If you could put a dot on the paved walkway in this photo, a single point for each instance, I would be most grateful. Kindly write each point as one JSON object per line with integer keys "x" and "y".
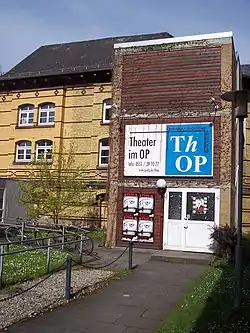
{"x": 134, "y": 304}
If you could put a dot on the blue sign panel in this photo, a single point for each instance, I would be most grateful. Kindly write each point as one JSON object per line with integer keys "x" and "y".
{"x": 189, "y": 150}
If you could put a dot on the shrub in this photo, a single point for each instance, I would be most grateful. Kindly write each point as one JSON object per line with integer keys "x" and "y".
{"x": 225, "y": 238}
{"x": 246, "y": 244}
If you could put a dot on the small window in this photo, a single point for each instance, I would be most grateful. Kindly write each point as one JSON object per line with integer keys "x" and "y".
{"x": 47, "y": 114}
{"x": 26, "y": 115}
{"x": 106, "y": 110}
{"x": 44, "y": 150}
{"x": 104, "y": 153}
{"x": 23, "y": 151}
{"x": 1, "y": 203}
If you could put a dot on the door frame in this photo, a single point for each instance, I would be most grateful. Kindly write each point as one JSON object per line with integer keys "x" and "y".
{"x": 185, "y": 190}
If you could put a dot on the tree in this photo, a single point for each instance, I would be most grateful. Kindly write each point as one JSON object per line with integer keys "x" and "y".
{"x": 55, "y": 189}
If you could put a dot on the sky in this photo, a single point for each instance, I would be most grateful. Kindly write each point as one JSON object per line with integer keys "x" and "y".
{"x": 25, "y": 25}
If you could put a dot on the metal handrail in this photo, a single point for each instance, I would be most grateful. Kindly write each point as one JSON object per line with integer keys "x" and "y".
{"x": 37, "y": 247}
{"x": 22, "y": 242}
{"x": 58, "y": 229}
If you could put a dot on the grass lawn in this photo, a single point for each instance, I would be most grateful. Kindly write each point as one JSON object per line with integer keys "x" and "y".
{"x": 207, "y": 307}
{"x": 27, "y": 265}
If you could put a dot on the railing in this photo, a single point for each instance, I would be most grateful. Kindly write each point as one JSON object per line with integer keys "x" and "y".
{"x": 5, "y": 251}
{"x": 83, "y": 221}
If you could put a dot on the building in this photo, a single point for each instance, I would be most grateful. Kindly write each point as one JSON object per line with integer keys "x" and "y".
{"x": 58, "y": 95}
{"x": 168, "y": 121}
{"x": 245, "y": 69}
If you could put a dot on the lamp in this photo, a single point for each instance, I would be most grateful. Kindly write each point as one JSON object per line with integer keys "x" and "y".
{"x": 239, "y": 98}
{"x": 161, "y": 185}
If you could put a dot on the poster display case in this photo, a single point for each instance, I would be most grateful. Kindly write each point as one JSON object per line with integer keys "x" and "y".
{"x": 138, "y": 217}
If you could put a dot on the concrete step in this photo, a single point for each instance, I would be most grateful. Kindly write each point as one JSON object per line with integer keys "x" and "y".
{"x": 182, "y": 257}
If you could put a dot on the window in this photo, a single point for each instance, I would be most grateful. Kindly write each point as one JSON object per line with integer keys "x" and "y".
{"x": 106, "y": 110}
{"x": 47, "y": 114}
{"x": 44, "y": 150}
{"x": 104, "y": 153}
{"x": 23, "y": 151}
{"x": 26, "y": 115}
{"x": 1, "y": 203}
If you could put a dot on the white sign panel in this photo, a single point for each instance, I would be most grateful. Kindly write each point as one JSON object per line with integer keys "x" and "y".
{"x": 144, "y": 150}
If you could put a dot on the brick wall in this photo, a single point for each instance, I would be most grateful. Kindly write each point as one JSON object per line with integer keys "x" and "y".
{"x": 171, "y": 83}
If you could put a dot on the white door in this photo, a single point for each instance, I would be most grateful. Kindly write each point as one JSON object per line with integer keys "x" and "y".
{"x": 189, "y": 215}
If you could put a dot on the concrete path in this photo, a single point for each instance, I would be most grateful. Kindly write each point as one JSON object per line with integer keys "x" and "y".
{"x": 140, "y": 256}
{"x": 134, "y": 304}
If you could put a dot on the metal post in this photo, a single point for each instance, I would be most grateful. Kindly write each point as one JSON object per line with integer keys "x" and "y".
{"x": 22, "y": 233}
{"x": 68, "y": 278}
{"x": 130, "y": 256}
{"x": 240, "y": 98}
{"x": 1, "y": 265}
{"x": 63, "y": 237}
{"x": 48, "y": 257}
{"x": 239, "y": 248}
{"x": 81, "y": 247}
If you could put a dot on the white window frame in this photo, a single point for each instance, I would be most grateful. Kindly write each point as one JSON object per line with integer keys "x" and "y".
{"x": 29, "y": 111}
{"x": 2, "y": 209}
{"x": 106, "y": 106}
{"x": 46, "y": 108}
{"x": 25, "y": 149}
{"x": 101, "y": 149}
{"x": 47, "y": 150}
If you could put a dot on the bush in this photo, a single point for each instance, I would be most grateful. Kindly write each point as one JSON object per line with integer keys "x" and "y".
{"x": 246, "y": 244}
{"x": 225, "y": 239}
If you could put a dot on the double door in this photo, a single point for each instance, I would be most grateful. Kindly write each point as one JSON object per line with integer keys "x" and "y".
{"x": 189, "y": 217}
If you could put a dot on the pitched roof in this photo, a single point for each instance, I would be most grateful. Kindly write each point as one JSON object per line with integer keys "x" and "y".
{"x": 245, "y": 69}
{"x": 74, "y": 57}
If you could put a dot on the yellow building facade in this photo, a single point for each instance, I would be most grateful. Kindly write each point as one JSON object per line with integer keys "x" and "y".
{"x": 78, "y": 121}
{"x": 40, "y": 120}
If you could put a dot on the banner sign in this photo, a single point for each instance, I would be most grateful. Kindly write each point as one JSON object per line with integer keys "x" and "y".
{"x": 173, "y": 150}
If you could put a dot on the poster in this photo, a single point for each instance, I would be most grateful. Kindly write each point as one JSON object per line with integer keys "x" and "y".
{"x": 146, "y": 203}
{"x": 130, "y": 202}
{"x": 145, "y": 227}
{"x": 129, "y": 224}
{"x": 163, "y": 150}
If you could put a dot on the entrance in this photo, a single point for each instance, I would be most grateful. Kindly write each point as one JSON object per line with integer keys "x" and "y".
{"x": 189, "y": 215}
